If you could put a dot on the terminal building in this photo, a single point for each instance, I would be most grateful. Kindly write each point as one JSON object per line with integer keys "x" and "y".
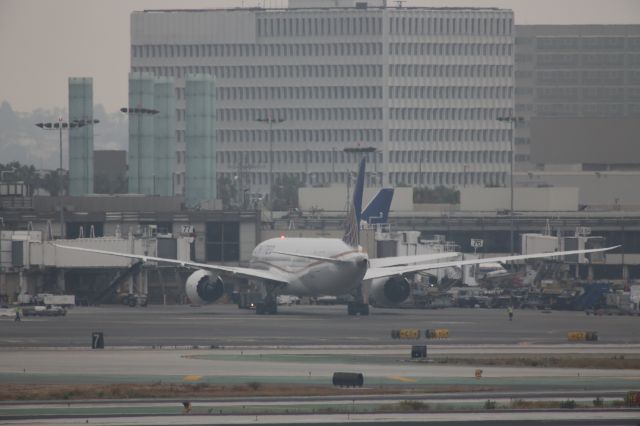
{"x": 156, "y": 225}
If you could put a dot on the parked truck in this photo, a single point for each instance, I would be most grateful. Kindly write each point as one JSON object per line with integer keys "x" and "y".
{"x": 60, "y": 299}
{"x": 44, "y": 311}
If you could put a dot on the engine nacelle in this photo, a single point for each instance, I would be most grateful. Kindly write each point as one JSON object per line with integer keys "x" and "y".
{"x": 389, "y": 291}
{"x": 204, "y": 287}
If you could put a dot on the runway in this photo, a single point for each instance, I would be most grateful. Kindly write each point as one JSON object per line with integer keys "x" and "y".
{"x": 226, "y": 325}
{"x": 305, "y": 345}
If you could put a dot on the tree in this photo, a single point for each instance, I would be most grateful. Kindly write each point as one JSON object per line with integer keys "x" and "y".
{"x": 16, "y": 172}
{"x": 284, "y": 193}
{"x": 439, "y": 194}
{"x": 50, "y": 182}
{"x": 227, "y": 191}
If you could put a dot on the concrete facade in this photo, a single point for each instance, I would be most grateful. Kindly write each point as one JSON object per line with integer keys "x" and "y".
{"x": 423, "y": 86}
{"x": 334, "y": 198}
{"x": 579, "y": 72}
{"x": 110, "y": 170}
{"x": 524, "y": 199}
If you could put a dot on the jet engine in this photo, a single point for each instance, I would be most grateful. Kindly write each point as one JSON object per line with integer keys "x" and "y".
{"x": 389, "y": 291}
{"x": 204, "y": 287}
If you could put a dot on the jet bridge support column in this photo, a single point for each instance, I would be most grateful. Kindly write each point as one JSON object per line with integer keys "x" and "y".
{"x": 60, "y": 281}
{"x": 22, "y": 285}
{"x": 144, "y": 288}
{"x": 130, "y": 283}
{"x": 4, "y": 291}
{"x": 361, "y": 304}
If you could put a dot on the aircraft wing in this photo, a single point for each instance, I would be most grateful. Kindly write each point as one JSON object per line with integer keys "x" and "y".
{"x": 392, "y": 271}
{"x": 231, "y": 270}
{"x": 386, "y": 262}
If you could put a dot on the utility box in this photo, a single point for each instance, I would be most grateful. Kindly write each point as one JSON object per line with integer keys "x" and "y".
{"x": 348, "y": 379}
{"x": 419, "y": 351}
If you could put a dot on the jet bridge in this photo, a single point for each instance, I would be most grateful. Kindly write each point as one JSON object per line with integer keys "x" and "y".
{"x": 26, "y": 260}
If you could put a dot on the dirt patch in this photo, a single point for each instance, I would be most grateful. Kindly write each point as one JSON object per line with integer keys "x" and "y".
{"x": 26, "y": 392}
{"x": 570, "y": 361}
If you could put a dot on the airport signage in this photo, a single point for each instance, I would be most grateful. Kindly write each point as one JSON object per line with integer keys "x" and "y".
{"x": 477, "y": 242}
{"x": 186, "y": 229}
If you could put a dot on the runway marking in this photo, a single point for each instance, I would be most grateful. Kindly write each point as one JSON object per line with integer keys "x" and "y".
{"x": 401, "y": 379}
{"x": 191, "y": 378}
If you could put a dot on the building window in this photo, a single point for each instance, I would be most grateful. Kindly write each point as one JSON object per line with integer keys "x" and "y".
{"x": 222, "y": 241}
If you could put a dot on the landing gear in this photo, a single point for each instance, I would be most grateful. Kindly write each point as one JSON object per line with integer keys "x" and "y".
{"x": 357, "y": 308}
{"x": 360, "y": 305}
{"x": 266, "y": 308}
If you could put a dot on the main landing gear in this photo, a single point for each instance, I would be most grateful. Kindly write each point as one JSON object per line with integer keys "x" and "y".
{"x": 269, "y": 305}
{"x": 358, "y": 308}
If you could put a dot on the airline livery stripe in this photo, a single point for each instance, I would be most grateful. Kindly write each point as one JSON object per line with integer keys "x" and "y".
{"x": 310, "y": 265}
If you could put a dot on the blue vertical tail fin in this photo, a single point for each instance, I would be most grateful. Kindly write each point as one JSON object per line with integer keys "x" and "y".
{"x": 354, "y": 214}
{"x": 377, "y": 211}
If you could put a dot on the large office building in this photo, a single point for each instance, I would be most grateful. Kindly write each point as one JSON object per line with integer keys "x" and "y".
{"x": 568, "y": 76}
{"x": 423, "y": 86}
{"x": 578, "y": 90}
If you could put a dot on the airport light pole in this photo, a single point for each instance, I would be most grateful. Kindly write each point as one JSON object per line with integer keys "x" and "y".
{"x": 64, "y": 125}
{"x": 270, "y": 119}
{"x": 512, "y": 120}
{"x": 139, "y": 112}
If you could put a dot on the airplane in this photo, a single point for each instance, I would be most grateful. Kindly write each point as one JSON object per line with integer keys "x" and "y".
{"x": 377, "y": 211}
{"x": 314, "y": 267}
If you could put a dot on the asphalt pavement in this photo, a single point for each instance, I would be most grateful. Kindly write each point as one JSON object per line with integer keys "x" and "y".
{"x": 226, "y": 325}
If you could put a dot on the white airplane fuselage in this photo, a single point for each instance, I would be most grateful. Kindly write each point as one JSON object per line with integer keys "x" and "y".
{"x": 312, "y": 277}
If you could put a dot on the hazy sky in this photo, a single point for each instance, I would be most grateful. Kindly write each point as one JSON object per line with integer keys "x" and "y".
{"x": 43, "y": 42}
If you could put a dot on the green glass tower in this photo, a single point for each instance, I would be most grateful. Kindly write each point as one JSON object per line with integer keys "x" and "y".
{"x": 81, "y": 138}
{"x": 141, "y": 133}
{"x": 200, "y": 138}
{"x": 164, "y": 126}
